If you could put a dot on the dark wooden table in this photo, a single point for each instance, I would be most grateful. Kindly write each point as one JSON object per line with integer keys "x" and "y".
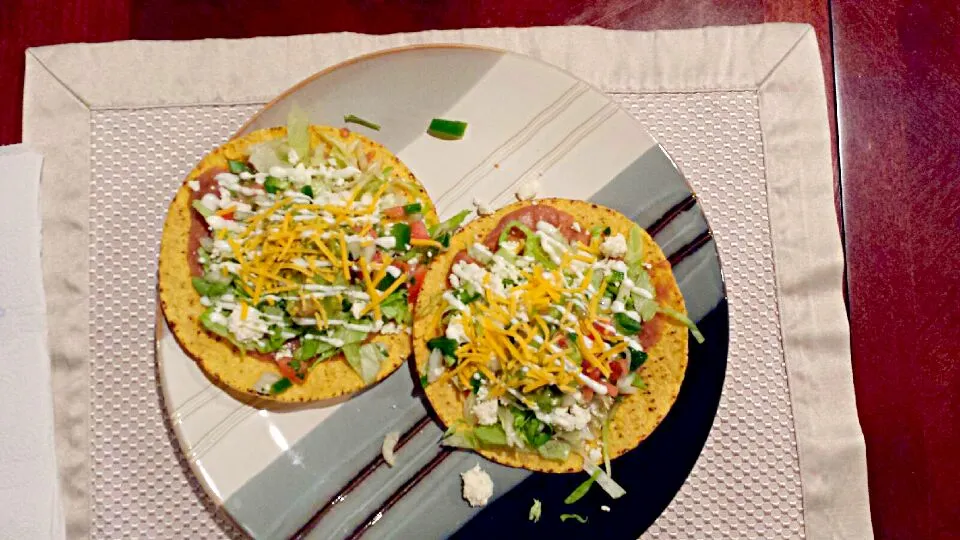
{"x": 895, "y": 104}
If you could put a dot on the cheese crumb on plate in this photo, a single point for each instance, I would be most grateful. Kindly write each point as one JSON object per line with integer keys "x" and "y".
{"x": 477, "y": 486}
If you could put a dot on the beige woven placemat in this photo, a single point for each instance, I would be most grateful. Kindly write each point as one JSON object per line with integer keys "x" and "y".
{"x": 734, "y": 106}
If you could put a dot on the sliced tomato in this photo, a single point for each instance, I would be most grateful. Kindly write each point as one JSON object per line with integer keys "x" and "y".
{"x": 616, "y": 370}
{"x": 377, "y": 256}
{"x": 287, "y": 371}
{"x": 586, "y": 392}
{"x": 228, "y": 214}
{"x": 402, "y": 266}
{"x": 591, "y": 371}
{"x": 395, "y": 212}
{"x": 416, "y": 283}
{"x": 418, "y": 231}
{"x": 612, "y": 390}
{"x": 562, "y": 342}
{"x": 344, "y": 132}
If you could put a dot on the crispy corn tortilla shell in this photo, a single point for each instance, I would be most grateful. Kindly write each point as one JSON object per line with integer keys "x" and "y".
{"x": 638, "y": 414}
{"x": 218, "y": 358}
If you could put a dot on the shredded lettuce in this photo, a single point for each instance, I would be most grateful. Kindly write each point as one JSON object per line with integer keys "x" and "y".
{"x": 364, "y": 359}
{"x": 490, "y": 435}
{"x": 555, "y": 450}
{"x": 265, "y": 155}
{"x": 582, "y": 489}
{"x": 348, "y": 336}
{"x": 612, "y": 488}
{"x": 605, "y": 438}
{"x": 210, "y": 289}
{"x": 535, "y": 511}
{"x": 645, "y": 307}
{"x": 684, "y": 320}
{"x": 307, "y": 350}
{"x": 535, "y": 432}
{"x": 396, "y": 308}
{"x": 273, "y": 342}
{"x": 578, "y": 517}
{"x": 448, "y": 227}
{"x": 634, "y": 256}
{"x": 531, "y": 246}
{"x": 202, "y": 208}
{"x": 459, "y": 438}
{"x": 298, "y": 134}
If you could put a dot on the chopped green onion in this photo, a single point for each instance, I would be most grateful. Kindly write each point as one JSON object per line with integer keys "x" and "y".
{"x": 401, "y": 232}
{"x": 273, "y": 184}
{"x": 578, "y": 517}
{"x": 353, "y": 119}
{"x": 582, "y": 489}
{"x": 637, "y": 358}
{"x": 280, "y": 386}
{"x": 476, "y": 381}
{"x": 237, "y": 167}
{"x": 200, "y": 207}
{"x": 448, "y": 130}
{"x": 424, "y": 381}
{"x": 625, "y": 324}
{"x": 307, "y": 190}
{"x": 638, "y": 382}
{"x": 414, "y": 208}
{"x": 385, "y": 283}
{"x": 446, "y": 345}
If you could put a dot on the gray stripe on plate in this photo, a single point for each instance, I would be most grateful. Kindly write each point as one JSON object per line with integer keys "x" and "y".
{"x": 646, "y": 189}
{"x": 283, "y": 496}
{"x": 290, "y": 490}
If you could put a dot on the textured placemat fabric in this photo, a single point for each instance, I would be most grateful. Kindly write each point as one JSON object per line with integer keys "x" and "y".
{"x": 741, "y": 109}
{"x": 746, "y": 483}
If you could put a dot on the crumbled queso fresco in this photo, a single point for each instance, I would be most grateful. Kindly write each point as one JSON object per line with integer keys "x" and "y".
{"x": 477, "y": 486}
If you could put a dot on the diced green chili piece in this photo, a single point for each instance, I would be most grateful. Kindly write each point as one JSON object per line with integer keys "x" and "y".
{"x": 280, "y": 386}
{"x": 237, "y": 167}
{"x": 448, "y": 130}
{"x": 401, "y": 232}
{"x": 446, "y": 345}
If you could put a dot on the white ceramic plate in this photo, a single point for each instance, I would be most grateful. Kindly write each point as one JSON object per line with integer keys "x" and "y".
{"x": 315, "y": 470}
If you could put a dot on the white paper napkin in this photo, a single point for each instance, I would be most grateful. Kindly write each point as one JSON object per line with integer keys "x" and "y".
{"x": 29, "y": 490}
